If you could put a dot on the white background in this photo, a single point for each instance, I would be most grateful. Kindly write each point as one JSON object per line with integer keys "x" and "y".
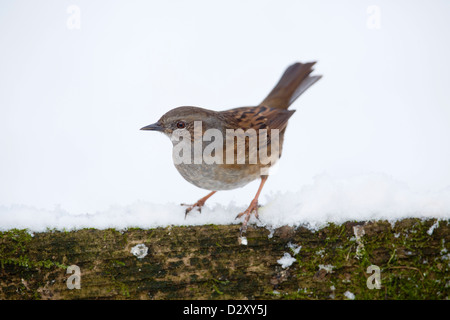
{"x": 72, "y": 100}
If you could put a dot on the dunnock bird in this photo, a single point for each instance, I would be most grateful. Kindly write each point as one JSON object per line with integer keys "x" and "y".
{"x": 216, "y": 172}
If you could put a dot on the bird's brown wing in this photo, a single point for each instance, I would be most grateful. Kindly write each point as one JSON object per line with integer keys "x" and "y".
{"x": 295, "y": 80}
{"x": 260, "y": 117}
{"x": 256, "y": 118}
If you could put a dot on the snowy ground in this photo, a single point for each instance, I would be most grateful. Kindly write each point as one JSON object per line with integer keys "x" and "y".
{"x": 365, "y": 197}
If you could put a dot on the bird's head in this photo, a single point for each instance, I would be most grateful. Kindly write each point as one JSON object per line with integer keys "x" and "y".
{"x": 182, "y": 119}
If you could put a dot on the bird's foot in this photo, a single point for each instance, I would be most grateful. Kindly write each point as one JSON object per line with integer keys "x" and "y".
{"x": 199, "y": 204}
{"x": 252, "y": 208}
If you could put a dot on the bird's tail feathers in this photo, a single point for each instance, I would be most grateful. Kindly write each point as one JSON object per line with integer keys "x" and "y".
{"x": 295, "y": 80}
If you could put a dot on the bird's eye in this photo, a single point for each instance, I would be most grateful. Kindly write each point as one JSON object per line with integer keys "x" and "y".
{"x": 181, "y": 124}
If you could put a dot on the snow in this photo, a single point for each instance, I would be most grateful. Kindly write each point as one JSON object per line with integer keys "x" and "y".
{"x": 349, "y": 295}
{"x": 286, "y": 261}
{"x": 139, "y": 250}
{"x": 434, "y": 226}
{"x": 243, "y": 241}
{"x": 327, "y": 199}
{"x": 327, "y": 267}
{"x": 360, "y": 198}
{"x": 294, "y": 247}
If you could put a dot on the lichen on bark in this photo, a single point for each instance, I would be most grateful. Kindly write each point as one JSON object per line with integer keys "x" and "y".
{"x": 207, "y": 262}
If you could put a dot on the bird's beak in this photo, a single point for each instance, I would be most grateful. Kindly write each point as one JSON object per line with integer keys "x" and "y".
{"x": 154, "y": 127}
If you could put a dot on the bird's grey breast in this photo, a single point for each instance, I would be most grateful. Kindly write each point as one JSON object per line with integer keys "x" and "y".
{"x": 216, "y": 177}
{"x": 211, "y": 175}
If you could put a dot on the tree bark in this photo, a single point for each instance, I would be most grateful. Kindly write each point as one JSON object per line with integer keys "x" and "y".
{"x": 208, "y": 262}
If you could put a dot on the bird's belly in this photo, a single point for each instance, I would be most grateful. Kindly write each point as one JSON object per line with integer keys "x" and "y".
{"x": 216, "y": 177}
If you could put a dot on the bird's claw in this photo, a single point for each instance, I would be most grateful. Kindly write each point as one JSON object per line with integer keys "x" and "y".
{"x": 199, "y": 204}
{"x": 252, "y": 208}
{"x": 190, "y": 207}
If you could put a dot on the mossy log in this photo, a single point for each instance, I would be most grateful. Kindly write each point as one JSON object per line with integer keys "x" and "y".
{"x": 208, "y": 262}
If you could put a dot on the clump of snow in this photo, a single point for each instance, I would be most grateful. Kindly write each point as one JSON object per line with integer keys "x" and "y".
{"x": 360, "y": 198}
{"x": 140, "y": 250}
{"x": 294, "y": 247}
{"x": 434, "y": 226}
{"x": 327, "y": 267}
{"x": 349, "y": 295}
{"x": 332, "y": 294}
{"x": 243, "y": 240}
{"x": 286, "y": 261}
{"x": 320, "y": 253}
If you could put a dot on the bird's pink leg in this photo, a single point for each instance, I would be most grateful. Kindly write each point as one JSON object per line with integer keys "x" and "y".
{"x": 253, "y": 207}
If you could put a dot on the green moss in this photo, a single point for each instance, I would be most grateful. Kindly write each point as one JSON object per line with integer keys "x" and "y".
{"x": 206, "y": 262}
{"x": 14, "y": 251}
{"x": 218, "y": 286}
{"x": 409, "y": 268}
